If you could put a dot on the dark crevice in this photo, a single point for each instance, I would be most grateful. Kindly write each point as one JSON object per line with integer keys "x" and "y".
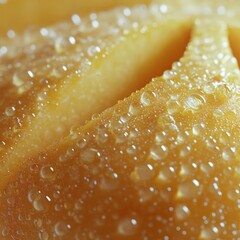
{"x": 234, "y": 41}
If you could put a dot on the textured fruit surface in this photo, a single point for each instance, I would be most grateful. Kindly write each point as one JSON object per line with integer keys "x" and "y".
{"x": 64, "y": 74}
{"x": 161, "y": 164}
{"x": 20, "y": 14}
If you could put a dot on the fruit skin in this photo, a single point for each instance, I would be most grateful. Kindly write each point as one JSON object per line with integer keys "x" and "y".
{"x": 124, "y": 64}
{"x": 20, "y": 14}
{"x": 165, "y": 158}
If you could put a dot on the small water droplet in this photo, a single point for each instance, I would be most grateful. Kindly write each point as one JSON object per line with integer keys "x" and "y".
{"x": 209, "y": 233}
{"x": 89, "y": 155}
{"x": 166, "y": 175}
{"x": 61, "y": 228}
{"x": 147, "y": 98}
{"x": 173, "y": 107}
{"x": 47, "y": 172}
{"x": 41, "y": 203}
{"x": 17, "y": 80}
{"x": 127, "y": 227}
{"x": 10, "y": 111}
{"x": 182, "y": 212}
{"x": 194, "y": 102}
{"x": 167, "y": 75}
{"x": 43, "y": 235}
{"x": 228, "y": 154}
{"x": 61, "y": 45}
{"x": 188, "y": 190}
{"x": 158, "y": 152}
{"x": 142, "y": 172}
{"x": 198, "y": 129}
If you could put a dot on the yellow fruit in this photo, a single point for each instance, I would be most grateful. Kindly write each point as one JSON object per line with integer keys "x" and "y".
{"x": 18, "y": 15}
{"x": 161, "y": 164}
{"x": 73, "y": 75}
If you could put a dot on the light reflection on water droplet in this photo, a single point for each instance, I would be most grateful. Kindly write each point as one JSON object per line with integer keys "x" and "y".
{"x": 61, "y": 228}
{"x": 147, "y": 98}
{"x": 158, "y": 152}
{"x": 127, "y": 227}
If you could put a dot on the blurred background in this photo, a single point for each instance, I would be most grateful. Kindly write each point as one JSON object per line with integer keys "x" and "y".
{"x": 17, "y": 15}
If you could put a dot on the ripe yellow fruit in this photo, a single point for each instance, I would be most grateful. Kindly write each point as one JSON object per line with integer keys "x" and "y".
{"x": 78, "y": 74}
{"x": 161, "y": 164}
{"x": 18, "y": 15}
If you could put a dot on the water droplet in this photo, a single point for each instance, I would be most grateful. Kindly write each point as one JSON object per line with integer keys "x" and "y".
{"x": 108, "y": 184}
{"x": 47, "y": 172}
{"x": 17, "y": 80}
{"x": 89, "y": 155}
{"x": 194, "y": 102}
{"x": 142, "y": 172}
{"x": 167, "y": 75}
{"x": 43, "y": 235}
{"x": 61, "y": 228}
{"x": 127, "y": 227}
{"x": 209, "y": 233}
{"x": 198, "y": 129}
{"x": 25, "y": 87}
{"x": 61, "y": 45}
{"x": 41, "y": 203}
{"x": 234, "y": 195}
{"x": 173, "y": 107}
{"x": 76, "y": 19}
{"x": 209, "y": 88}
{"x": 188, "y": 190}
{"x": 147, "y": 98}
{"x": 182, "y": 212}
{"x": 10, "y": 111}
{"x": 93, "y": 50}
{"x": 225, "y": 138}
{"x": 185, "y": 151}
{"x": 133, "y": 109}
{"x": 228, "y": 154}
{"x": 160, "y": 137}
{"x": 158, "y": 152}
{"x": 166, "y": 175}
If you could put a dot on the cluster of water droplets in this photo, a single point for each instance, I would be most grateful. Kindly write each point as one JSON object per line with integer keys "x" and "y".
{"x": 159, "y": 164}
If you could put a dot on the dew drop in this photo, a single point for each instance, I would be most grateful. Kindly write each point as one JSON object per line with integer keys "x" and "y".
{"x": 173, "y": 107}
{"x": 10, "y": 111}
{"x": 17, "y": 80}
{"x": 160, "y": 137}
{"x": 198, "y": 129}
{"x": 209, "y": 233}
{"x": 194, "y": 102}
{"x": 61, "y": 228}
{"x": 228, "y": 154}
{"x": 43, "y": 235}
{"x": 108, "y": 184}
{"x": 88, "y": 155}
{"x": 142, "y": 172}
{"x": 147, "y": 98}
{"x": 182, "y": 212}
{"x": 166, "y": 175}
{"x": 158, "y": 152}
{"x": 188, "y": 190}
{"x": 127, "y": 227}
{"x": 41, "y": 203}
{"x": 167, "y": 75}
{"x": 47, "y": 172}
{"x": 61, "y": 45}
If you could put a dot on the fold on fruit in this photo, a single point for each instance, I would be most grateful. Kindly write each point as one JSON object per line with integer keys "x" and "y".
{"x": 161, "y": 164}
{"x": 59, "y": 76}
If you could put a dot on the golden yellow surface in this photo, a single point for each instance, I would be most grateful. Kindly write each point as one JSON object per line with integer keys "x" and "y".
{"x": 162, "y": 163}
{"x": 20, "y": 14}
